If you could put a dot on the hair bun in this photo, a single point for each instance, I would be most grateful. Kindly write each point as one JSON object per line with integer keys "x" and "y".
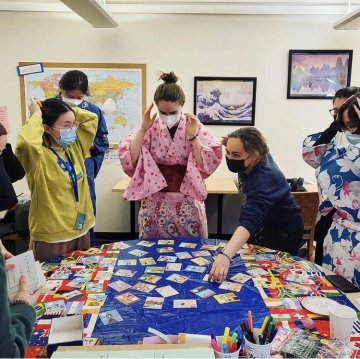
{"x": 169, "y": 77}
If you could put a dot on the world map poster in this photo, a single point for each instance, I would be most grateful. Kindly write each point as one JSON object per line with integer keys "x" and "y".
{"x": 123, "y": 83}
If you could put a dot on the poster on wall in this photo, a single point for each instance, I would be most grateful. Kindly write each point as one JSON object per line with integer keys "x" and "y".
{"x": 318, "y": 74}
{"x": 121, "y": 84}
{"x": 225, "y": 100}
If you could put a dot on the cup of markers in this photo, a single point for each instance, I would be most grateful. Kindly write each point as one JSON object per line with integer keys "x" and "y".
{"x": 226, "y": 346}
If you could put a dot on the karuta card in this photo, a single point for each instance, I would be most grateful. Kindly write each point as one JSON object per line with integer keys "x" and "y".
{"x": 187, "y": 245}
{"x": 138, "y": 252}
{"x": 110, "y": 317}
{"x": 265, "y": 257}
{"x": 177, "y": 278}
{"x": 255, "y": 272}
{"x": 200, "y": 261}
{"x": 56, "y": 307}
{"x": 119, "y": 285}
{"x": 210, "y": 247}
{"x": 51, "y": 286}
{"x": 148, "y": 261}
{"x": 121, "y": 245}
{"x": 95, "y": 300}
{"x": 103, "y": 275}
{"x": 183, "y": 255}
{"x": 127, "y": 298}
{"x": 201, "y": 254}
{"x": 202, "y": 292}
{"x": 226, "y": 298}
{"x": 146, "y": 243}
{"x": 173, "y": 267}
{"x": 143, "y": 287}
{"x": 94, "y": 287}
{"x": 185, "y": 303}
{"x": 154, "y": 303}
{"x": 155, "y": 269}
{"x": 168, "y": 242}
{"x": 72, "y": 295}
{"x": 206, "y": 278}
{"x": 235, "y": 287}
{"x": 164, "y": 258}
{"x": 127, "y": 262}
{"x": 108, "y": 262}
{"x": 151, "y": 278}
{"x": 240, "y": 278}
{"x": 191, "y": 268}
{"x": 125, "y": 273}
{"x": 165, "y": 249}
{"x": 167, "y": 291}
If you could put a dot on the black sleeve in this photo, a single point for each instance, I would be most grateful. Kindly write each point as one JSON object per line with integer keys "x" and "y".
{"x": 12, "y": 165}
{"x": 328, "y": 134}
{"x": 8, "y": 197}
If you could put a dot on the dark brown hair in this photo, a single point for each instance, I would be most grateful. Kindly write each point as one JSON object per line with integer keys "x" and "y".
{"x": 353, "y": 107}
{"x": 169, "y": 90}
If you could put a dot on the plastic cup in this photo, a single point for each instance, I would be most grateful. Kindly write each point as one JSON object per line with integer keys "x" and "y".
{"x": 225, "y": 355}
{"x": 342, "y": 319}
{"x": 257, "y": 350}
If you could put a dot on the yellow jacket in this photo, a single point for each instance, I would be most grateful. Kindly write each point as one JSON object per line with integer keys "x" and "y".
{"x": 53, "y": 209}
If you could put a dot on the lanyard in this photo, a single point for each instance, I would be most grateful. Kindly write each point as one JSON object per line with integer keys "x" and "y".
{"x": 70, "y": 169}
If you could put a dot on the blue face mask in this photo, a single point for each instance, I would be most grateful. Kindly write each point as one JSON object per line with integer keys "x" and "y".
{"x": 67, "y": 137}
{"x": 353, "y": 138}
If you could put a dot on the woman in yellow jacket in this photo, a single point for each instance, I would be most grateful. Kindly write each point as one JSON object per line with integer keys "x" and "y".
{"x": 52, "y": 147}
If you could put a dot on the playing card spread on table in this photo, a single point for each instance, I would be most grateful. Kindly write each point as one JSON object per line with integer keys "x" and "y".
{"x": 154, "y": 303}
{"x": 167, "y": 291}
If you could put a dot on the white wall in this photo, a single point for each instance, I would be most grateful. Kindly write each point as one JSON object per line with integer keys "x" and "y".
{"x": 190, "y": 45}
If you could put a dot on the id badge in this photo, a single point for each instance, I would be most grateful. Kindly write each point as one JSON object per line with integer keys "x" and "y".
{"x": 80, "y": 220}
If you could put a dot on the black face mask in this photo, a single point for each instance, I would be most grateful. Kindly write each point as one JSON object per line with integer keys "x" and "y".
{"x": 236, "y": 166}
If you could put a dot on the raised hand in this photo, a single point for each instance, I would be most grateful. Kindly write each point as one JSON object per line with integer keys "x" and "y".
{"x": 148, "y": 120}
{"x": 191, "y": 125}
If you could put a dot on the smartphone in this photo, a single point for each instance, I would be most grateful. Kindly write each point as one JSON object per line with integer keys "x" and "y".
{"x": 342, "y": 283}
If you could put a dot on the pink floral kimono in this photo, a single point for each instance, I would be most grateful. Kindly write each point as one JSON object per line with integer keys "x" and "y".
{"x": 162, "y": 161}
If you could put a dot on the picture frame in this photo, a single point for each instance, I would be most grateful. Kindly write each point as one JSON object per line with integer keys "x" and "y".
{"x": 318, "y": 74}
{"x": 225, "y": 100}
{"x": 125, "y": 83}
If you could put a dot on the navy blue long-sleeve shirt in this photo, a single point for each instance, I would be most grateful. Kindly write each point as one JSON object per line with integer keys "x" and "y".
{"x": 269, "y": 202}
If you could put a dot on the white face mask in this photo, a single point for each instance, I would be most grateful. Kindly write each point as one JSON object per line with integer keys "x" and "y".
{"x": 72, "y": 101}
{"x": 170, "y": 120}
{"x": 353, "y": 138}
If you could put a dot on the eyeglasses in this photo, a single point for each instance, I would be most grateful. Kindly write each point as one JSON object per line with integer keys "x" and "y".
{"x": 74, "y": 125}
{"x": 333, "y": 112}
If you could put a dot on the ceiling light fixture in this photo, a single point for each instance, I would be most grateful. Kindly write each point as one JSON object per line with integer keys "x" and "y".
{"x": 351, "y": 21}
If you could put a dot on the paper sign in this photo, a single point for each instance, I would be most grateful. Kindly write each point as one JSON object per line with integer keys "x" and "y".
{"x": 29, "y": 69}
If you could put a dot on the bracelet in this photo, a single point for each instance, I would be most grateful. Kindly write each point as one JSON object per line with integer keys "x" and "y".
{"x": 19, "y": 301}
{"x": 192, "y": 138}
{"x": 223, "y": 253}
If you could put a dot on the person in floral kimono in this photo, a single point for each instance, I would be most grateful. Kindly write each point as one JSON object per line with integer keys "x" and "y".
{"x": 168, "y": 158}
{"x": 338, "y": 175}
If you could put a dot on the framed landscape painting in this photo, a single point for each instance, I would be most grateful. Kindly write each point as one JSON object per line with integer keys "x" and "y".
{"x": 225, "y": 100}
{"x": 314, "y": 74}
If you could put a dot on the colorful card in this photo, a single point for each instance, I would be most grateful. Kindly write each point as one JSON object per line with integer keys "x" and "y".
{"x": 187, "y": 245}
{"x": 127, "y": 262}
{"x": 155, "y": 270}
{"x": 73, "y": 295}
{"x": 167, "y": 258}
{"x": 125, "y": 273}
{"x": 165, "y": 249}
{"x": 151, "y": 278}
{"x": 127, "y": 298}
{"x": 202, "y": 292}
{"x": 191, "y": 268}
{"x": 235, "y": 287}
{"x": 148, "y": 261}
{"x": 265, "y": 257}
{"x": 103, "y": 275}
{"x": 177, "y": 278}
{"x": 255, "y": 272}
{"x": 201, "y": 254}
{"x": 146, "y": 243}
{"x": 183, "y": 255}
{"x": 108, "y": 261}
{"x": 56, "y": 307}
{"x": 119, "y": 285}
{"x": 173, "y": 267}
{"x": 200, "y": 261}
{"x": 185, "y": 303}
{"x": 210, "y": 247}
{"x": 94, "y": 287}
{"x": 68, "y": 261}
{"x": 168, "y": 242}
{"x": 110, "y": 317}
{"x": 51, "y": 286}
{"x": 77, "y": 282}
{"x": 154, "y": 303}
{"x": 240, "y": 278}
{"x": 300, "y": 279}
{"x": 143, "y": 287}
{"x": 226, "y": 298}
{"x": 138, "y": 252}
{"x": 167, "y": 291}
{"x": 95, "y": 300}
{"x": 121, "y": 245}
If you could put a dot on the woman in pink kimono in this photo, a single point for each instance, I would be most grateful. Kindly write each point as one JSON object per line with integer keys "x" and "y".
{"x": 168, "y": 159}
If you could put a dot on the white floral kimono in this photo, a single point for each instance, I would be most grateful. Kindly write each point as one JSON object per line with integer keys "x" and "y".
{"x": 338, "y": 174}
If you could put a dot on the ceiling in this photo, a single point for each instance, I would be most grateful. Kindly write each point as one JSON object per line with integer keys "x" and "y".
{"x": 264, "y": 7}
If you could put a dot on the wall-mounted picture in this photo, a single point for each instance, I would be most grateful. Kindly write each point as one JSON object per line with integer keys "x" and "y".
{"x": 225, "y": 100}
{"x": 317, "y": 74}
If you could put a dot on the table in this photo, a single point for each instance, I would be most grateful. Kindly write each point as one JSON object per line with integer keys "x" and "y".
{"x": 94, "y": 272}
{"x": 217, "y": 186}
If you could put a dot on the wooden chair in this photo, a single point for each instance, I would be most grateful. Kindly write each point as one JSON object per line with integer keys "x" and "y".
{"x": 9, "y": 241}
{"x": 308, "y": 203}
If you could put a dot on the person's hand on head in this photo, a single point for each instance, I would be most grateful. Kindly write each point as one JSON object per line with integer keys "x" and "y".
{"x": 191, "y": 125}
{"x": 23, "y": 293}
{"x": 35, "y": 106}
{"x": 219, "y": 269}
{"x": 148, "y": 120}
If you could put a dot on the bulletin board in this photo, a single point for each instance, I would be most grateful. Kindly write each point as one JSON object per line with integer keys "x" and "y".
{"x": 123, "y": 83}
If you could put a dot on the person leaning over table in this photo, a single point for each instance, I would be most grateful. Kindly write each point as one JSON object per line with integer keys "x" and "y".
{"x": 338, "y": 176}
{"x": 269, "y": 216}
{"x": 168, "y": 158}
{"x": 52, "y": 147}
